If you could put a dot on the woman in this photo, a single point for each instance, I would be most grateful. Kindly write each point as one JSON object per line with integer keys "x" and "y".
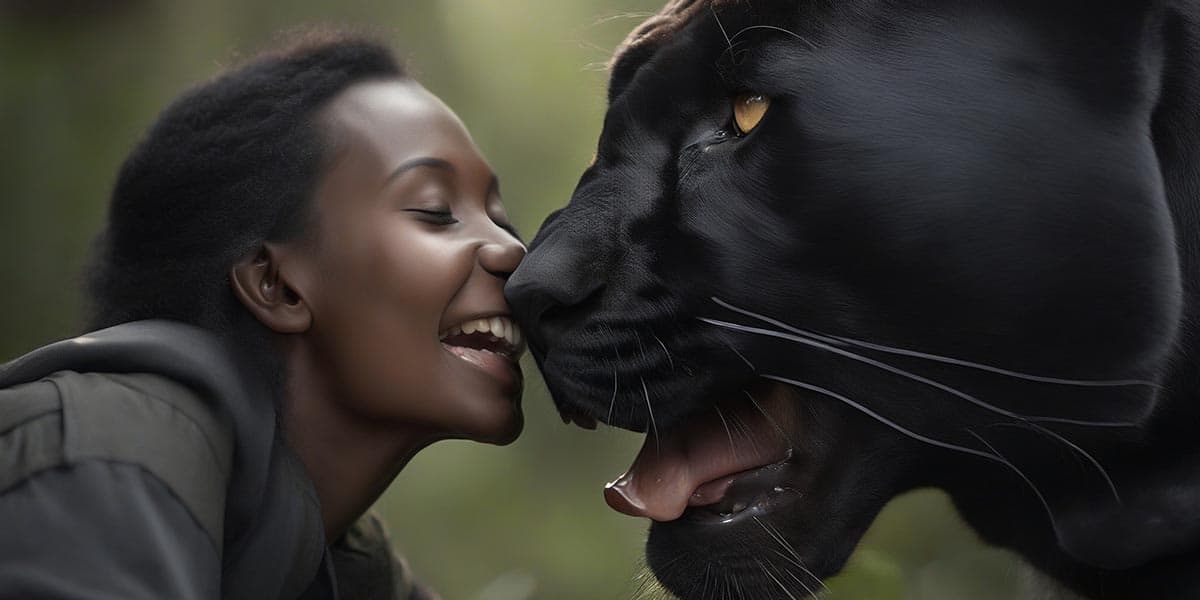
{"x": 321, "y": 251}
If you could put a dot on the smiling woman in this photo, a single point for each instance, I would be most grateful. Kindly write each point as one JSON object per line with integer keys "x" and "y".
{"x": 300, "y": 286}
{"x": 409, "y": 241}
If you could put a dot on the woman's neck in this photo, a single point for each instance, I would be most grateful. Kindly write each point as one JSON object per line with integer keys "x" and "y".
{"x": 350, "y": 458}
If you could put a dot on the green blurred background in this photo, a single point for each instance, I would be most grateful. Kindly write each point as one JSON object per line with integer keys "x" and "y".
{"x": 80, "y": 80}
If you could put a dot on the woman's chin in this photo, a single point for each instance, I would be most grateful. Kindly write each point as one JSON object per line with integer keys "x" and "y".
{"x": 500, "y": 426}
{"x": 509, "y": 432}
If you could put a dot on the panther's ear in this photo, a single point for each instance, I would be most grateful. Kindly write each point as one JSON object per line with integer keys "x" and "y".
{"x": 1156, "y": 518}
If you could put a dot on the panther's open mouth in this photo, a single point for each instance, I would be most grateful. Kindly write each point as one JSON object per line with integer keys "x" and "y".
{"x": 712, "y": 467}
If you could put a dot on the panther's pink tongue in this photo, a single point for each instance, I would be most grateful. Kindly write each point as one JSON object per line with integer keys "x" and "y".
{"x": 694, "y": 464}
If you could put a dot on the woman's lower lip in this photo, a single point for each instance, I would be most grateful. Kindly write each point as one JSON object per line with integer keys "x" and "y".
{"x": 500, "y": 367}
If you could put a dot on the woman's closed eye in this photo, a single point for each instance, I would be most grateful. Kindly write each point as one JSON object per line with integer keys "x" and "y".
{"x": 436, "y": 216}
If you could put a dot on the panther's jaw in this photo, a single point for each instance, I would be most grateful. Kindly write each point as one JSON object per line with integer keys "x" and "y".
{"x": 715, "y": 466}
{"x": 699, "y": 468}
{"x": 577, "y": 417}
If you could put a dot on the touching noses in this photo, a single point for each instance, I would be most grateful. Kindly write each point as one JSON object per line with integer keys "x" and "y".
{"x": 562, "y": 271}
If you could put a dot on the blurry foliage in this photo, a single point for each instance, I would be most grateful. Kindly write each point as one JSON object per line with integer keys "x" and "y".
{"x": 80, "y": 81}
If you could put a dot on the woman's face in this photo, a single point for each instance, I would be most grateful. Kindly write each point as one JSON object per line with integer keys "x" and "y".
{"x": 410, "y": 255}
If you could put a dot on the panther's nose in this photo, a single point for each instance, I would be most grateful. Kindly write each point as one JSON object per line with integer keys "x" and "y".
{"x": 557, "y": 273}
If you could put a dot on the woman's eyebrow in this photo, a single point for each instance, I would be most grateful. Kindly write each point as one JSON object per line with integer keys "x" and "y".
{"x": 423, "y": 161}
{"x": 436, "y": 163}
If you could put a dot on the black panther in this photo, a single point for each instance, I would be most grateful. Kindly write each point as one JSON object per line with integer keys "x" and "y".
{"x": 831, "y": 251}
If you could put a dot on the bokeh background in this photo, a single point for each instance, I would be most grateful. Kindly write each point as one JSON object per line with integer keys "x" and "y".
{"x": 80, "y": 80}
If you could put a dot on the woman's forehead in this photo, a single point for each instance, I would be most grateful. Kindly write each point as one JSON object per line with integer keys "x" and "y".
{"x": 394, "y": 120}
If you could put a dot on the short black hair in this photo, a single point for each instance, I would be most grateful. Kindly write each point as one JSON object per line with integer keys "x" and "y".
{"x": 230, "y": 164}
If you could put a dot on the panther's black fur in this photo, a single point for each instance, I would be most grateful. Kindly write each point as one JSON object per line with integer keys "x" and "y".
{"x": 1010, "y": 185}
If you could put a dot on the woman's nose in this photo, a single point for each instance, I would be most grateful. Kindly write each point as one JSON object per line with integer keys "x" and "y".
{"x": 501, "y": 254}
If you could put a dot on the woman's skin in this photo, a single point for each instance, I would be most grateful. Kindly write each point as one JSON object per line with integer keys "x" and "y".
{"x": 409, "y": 239}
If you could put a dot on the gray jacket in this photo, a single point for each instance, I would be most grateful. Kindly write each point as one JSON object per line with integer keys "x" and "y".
{"x": 138, "y": 462}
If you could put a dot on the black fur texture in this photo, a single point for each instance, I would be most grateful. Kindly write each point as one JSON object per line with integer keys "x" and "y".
{"x": 1005, "y": 184}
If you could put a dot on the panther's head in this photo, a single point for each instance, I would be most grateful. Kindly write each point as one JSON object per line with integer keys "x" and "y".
{"x": 832, "y": 251}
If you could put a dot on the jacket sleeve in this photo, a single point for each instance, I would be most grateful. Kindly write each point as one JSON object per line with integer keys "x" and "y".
{"x": 102, "y": 530}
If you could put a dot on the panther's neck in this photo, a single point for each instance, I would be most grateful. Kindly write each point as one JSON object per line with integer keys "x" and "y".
{"x": 1176, "y": 132}
{"x": 1159, "y": 471}
{"x": 1145, "y": 546}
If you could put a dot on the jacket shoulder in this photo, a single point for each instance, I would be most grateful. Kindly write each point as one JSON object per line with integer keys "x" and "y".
{"x": 167, "y": 429}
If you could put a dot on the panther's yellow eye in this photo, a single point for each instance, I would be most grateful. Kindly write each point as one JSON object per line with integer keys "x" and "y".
{"x": 748, "y": 111}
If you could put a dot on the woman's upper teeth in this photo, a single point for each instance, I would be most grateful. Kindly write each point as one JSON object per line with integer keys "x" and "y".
{"x": 498, "y": 327}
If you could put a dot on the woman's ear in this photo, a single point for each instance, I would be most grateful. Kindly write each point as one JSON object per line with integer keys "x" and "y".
{"x": 259, "y": 284}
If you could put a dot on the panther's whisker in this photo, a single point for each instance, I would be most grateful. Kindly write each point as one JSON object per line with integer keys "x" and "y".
{"x": 806, "y": 571}
{"x": 795, "y": 558}
{"x": 797, "y": 578}
{"x": 653, "y": 426}
{"x": 613, "y": 402}
{"x": 844, "y": 341}
{"x": 617, "y": 355}
{"x": 1053, "y": 434}
{"x": 595, "y": 67}
{"x": 745, "y": 432}
{"x": 811, "y": 46}
{"x": 782, "y": 569}
{"x": 908, "y": 375}
{"x": 728, "y": 40}
{"x": 593, "y": 46}
{"x": 670, "y": 361}
{"x": 641, "y": 348}
{"x": 711, "y": 574}
{"x": 793, "y": 575}
{"x": 870, "y": 413}
{"x": 1037, "y": 492}
{"x": 773, "y": 578}
{"x": 776, "y": 536}
{"x": 621, "y": 15}
{"x": 783, "y": 434}
{"x": 732, "y": 446}
{"x": 785, "y": 556}
{"x": 744, "y": 359}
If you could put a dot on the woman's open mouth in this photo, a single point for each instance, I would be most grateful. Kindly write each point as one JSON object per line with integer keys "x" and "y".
{"x": 491, "y": 344}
